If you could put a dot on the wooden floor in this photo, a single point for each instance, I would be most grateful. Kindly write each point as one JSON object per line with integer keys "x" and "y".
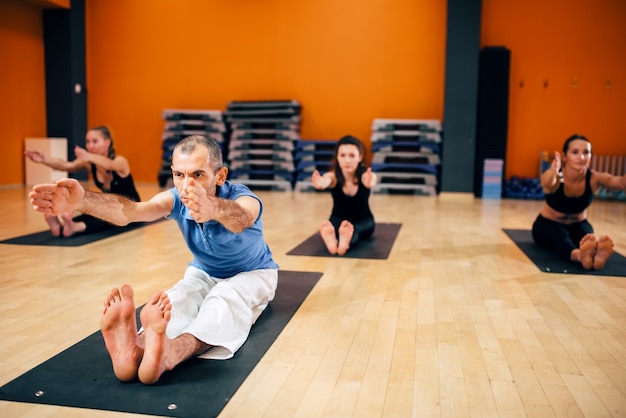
{"x": 457, "y": 322}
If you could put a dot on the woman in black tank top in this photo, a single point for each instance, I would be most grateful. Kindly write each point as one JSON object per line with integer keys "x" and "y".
{"x": 110, "y": 173}
{"x": 570, "y": 185}
{"x": 351, "y": 219}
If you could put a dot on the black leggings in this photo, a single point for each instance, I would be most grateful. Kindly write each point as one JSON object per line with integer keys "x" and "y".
{"x": 362, "y": 229}
{"x": 94, "y": 224}
{"x": 561, "y": 238}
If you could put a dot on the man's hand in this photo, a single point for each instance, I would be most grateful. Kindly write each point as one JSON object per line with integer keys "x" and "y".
{"x": 201, "y": 207}
{"x": 52, "y": 199}
{"x": 234, "y": 215}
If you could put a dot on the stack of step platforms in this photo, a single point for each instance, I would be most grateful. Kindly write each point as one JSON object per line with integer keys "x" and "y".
{"x": 180, "y": 123}
{"x": 262, "y": 142}
{"x": 406, "y": 155}
{"x": 312, "y": 155}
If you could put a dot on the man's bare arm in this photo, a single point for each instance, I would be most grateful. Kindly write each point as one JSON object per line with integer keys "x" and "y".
{"x": 120, "y": 210}
{"x": 239, "y": 214}
{"x": 235, "y": 215}
{"x": 67, "y": 194}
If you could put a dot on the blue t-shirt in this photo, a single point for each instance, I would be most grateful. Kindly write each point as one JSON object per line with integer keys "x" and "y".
{"x": 218, "y": 251}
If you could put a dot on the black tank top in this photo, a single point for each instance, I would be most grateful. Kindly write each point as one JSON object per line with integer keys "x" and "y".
{"x": 124, "y": 186}
{"x": 571, "y": 205}
{"x": 352, "y": 208}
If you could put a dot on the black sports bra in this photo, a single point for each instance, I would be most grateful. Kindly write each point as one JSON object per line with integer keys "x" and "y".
{"x": 119, "y": 185}
{"x": 571, "y": 205}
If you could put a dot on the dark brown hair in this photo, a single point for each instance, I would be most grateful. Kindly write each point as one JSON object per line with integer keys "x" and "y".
{"x": 573, "y": 138}
{"x": 348, "y": 140}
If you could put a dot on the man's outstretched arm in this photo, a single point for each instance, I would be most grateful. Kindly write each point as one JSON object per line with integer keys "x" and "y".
{"x": 235, "y": 215}
{"x": 68, "y": 194}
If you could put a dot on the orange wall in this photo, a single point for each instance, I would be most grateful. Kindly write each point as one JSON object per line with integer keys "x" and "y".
{"x": 568, "y": 74}
{"x": 346, "y": 62}
{"x": 22, "y": 85}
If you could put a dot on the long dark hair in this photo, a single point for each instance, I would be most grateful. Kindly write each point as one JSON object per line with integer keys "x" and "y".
{"x": 106, "y": 132}
{"x": 348, "y": 140}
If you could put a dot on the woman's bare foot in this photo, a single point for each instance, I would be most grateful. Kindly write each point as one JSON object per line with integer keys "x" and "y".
{"x": 588, "y": 246}
{"x": 54, "y": 224}
{"x": 346, "y": 230}
{"x": 119, "y": 330}
{"x": 70, "y": 227}
{"x": 605, "y": 249}
{"x": 327, "y": 231}
{"x": 155, "y": 316}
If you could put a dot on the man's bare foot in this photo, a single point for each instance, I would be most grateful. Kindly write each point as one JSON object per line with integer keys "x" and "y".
{"x": 155, "y": 316}
{"x": 327, "y": 231}
{"x": 605, "y": 249}
{"x": 70, "y": 227}
{"x": 54, "y": 224}
{"x": 346, "y": 230}
{"x": 588, "y": 246}
{"x": 119, "y": 330}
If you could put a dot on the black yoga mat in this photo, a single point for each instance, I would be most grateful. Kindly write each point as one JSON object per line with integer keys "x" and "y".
{"x": 82, "y": 375}
{"x": 46, "y": 238}
{"x": 549, "y": 262}
{"x": 377, "y": 247}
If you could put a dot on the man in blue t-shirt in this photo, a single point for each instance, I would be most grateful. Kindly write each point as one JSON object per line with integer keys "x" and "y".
{"x": 227, "y": 285}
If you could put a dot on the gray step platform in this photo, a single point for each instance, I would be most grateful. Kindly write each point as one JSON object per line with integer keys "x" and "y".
{"x": 251, "y": 126}
{"x": 256, "y": 176}
{"x": 422, "y": 125}
{"x": 194, "y": 125}
{"x": 282, "y": 185}
{"x": 265, "y": 134}
{"x": 244, "y": 165}
{"x": 271, "y": 144}
{"x": 401, "y": 187}
{"x": 192, "y": 114}
{"x": 406, "y": 157}
{"x": 420, "y": 178}
{"x": 413, "y": 136}
{"x": 178, "y": 135}
{"x": 267, "y": 154}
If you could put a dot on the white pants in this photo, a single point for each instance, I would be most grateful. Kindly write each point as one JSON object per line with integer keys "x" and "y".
{"x": 220, "y": 312}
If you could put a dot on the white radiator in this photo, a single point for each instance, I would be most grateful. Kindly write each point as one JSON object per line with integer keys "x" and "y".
{"x": 614, "y": 164}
